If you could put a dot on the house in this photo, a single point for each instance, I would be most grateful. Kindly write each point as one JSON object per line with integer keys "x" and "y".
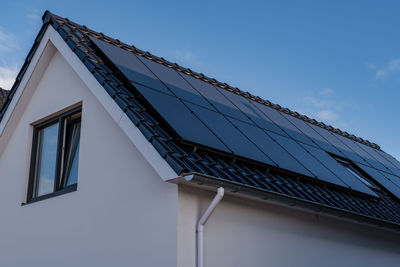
{"x": 3, "y": 96}
{"x": 111, "y": 156}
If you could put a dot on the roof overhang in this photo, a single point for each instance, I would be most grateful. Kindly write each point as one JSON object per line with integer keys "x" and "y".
{"x": 209, "y": 183}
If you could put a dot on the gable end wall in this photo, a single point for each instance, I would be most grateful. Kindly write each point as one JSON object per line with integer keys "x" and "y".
{"x": 122, "y": 213}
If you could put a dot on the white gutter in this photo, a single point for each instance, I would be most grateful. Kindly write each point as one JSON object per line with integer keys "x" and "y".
{"x": 200, "y": 226}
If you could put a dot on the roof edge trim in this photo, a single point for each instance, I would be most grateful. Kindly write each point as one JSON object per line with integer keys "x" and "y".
{"x": 212, "y": 183}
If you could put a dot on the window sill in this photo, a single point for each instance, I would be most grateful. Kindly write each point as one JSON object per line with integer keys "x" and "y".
{"x": 71, "y": 188}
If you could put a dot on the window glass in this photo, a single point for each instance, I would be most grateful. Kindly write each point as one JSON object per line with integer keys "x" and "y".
{"x": 47, "y": 159}
{"x": 72, "y": 154}
{"x": 55, "y": 155}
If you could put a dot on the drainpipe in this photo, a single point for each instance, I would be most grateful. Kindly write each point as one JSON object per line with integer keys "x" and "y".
{"x": 202, "y": 222}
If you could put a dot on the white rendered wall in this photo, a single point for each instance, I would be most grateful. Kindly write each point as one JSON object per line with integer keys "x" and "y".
{"x": 246, "y": 233}
{"x": 122, "y": 214}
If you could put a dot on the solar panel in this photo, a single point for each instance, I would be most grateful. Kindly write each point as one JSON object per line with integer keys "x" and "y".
{"x": 182, "y": 120}
{"x": 339, "y": 171}
{"x": 286, "y": 126}
{"x": 234, "y": 139}
{"x": 179, "y": 86}
{"x": 334, "y": 148}
{"x": 384, "y": 180}
{"x": 354, "y": 151}
{"x": 203, "y": 114}
{"x": 379, "y": 157}
{"x": 307, "y": 160}
{"x": 365, "y": 157}
{"x": 216, "y": 99}
{"x": 146, "y": 72}
{"x": 349, "y": 149}
{"x": 316, "y": 139}
{"x": 130, "y": 65}
{"x": 393, "y": 178}
{"x": 254, "y": 116}
{"x": 272, "y": 148}
{"x": 390, "y": 164}
{"x": 392, "y": 170}
{"x": 388, "y": 158}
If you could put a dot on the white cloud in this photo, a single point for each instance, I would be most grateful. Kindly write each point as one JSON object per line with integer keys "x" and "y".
{"x": 327, "y": 115}
{"x": 7, "y": 42}
{"x": 392, "y": 67}
{"x": 186, "y": 58}
{"x": 326, "y": 92}
{"x": 7, "y": 77}
{"x": 314, "y": 101}
{"x": 323, "y": 105}
{"x": 33, "y": 16}
{"x": 371, "y": 66}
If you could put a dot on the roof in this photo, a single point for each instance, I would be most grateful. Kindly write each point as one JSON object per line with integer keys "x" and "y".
{"x": 230, "y": 88}
{"x": 3, "y": 96}
{"x": 211, "y": 167}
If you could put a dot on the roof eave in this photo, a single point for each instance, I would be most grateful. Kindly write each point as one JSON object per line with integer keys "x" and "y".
{"x": 211, "y": 183}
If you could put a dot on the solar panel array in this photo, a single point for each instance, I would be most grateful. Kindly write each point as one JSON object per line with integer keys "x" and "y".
{"x": 219, "y": 119}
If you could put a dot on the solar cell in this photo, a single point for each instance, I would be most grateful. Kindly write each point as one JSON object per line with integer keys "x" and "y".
{"x": 181, "y": 119}
{"x": 234, "y": 139}
{"x": 179, "y": 86}
{"x": 307, "y": 160}
{"x": 374, "y": 153}
{"x": 345, "y": 147}
{"x": 392, "y": 170}
{"x": 334, "y": 148}
{"x": 271, "y": 148}
{"x": 316, "y": 139}
{"x": 363, "y": 155}
{"x": 216, "y": 118}
{"x": 254, "y": 116}
{"x": 130, "y": 65}
{"x": 368, "y": 159}
{"x": 388, "y": 158}
{"x": 395, "y": 179}
{"x": 383, "y": 180}
{"x": 151, "y": 74}
{"x": 339, "y": 171}
{"x": 287, "y": 127}
{"x": 219, "y": 101}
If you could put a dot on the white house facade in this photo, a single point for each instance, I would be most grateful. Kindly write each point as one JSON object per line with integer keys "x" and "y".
{"x": 97, "y": 168}
{"x": 111, "y": 219}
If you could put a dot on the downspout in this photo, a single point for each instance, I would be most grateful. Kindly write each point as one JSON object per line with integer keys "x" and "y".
{"x": 202, "y": 222}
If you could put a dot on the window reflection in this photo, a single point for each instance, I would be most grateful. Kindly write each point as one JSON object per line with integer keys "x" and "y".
{"x": 55, "y": 155}
{"x": 46, "y": 163}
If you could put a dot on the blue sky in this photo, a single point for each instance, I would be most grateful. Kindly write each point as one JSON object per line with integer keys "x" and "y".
{"x": 336, "y": 61}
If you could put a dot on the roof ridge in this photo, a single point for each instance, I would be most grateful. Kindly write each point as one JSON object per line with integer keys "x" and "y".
{"x": 131, "y": 48}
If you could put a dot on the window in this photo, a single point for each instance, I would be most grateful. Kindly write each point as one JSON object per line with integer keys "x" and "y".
{"x": 55, "y": 156}
{"x": 354, "y": 171}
